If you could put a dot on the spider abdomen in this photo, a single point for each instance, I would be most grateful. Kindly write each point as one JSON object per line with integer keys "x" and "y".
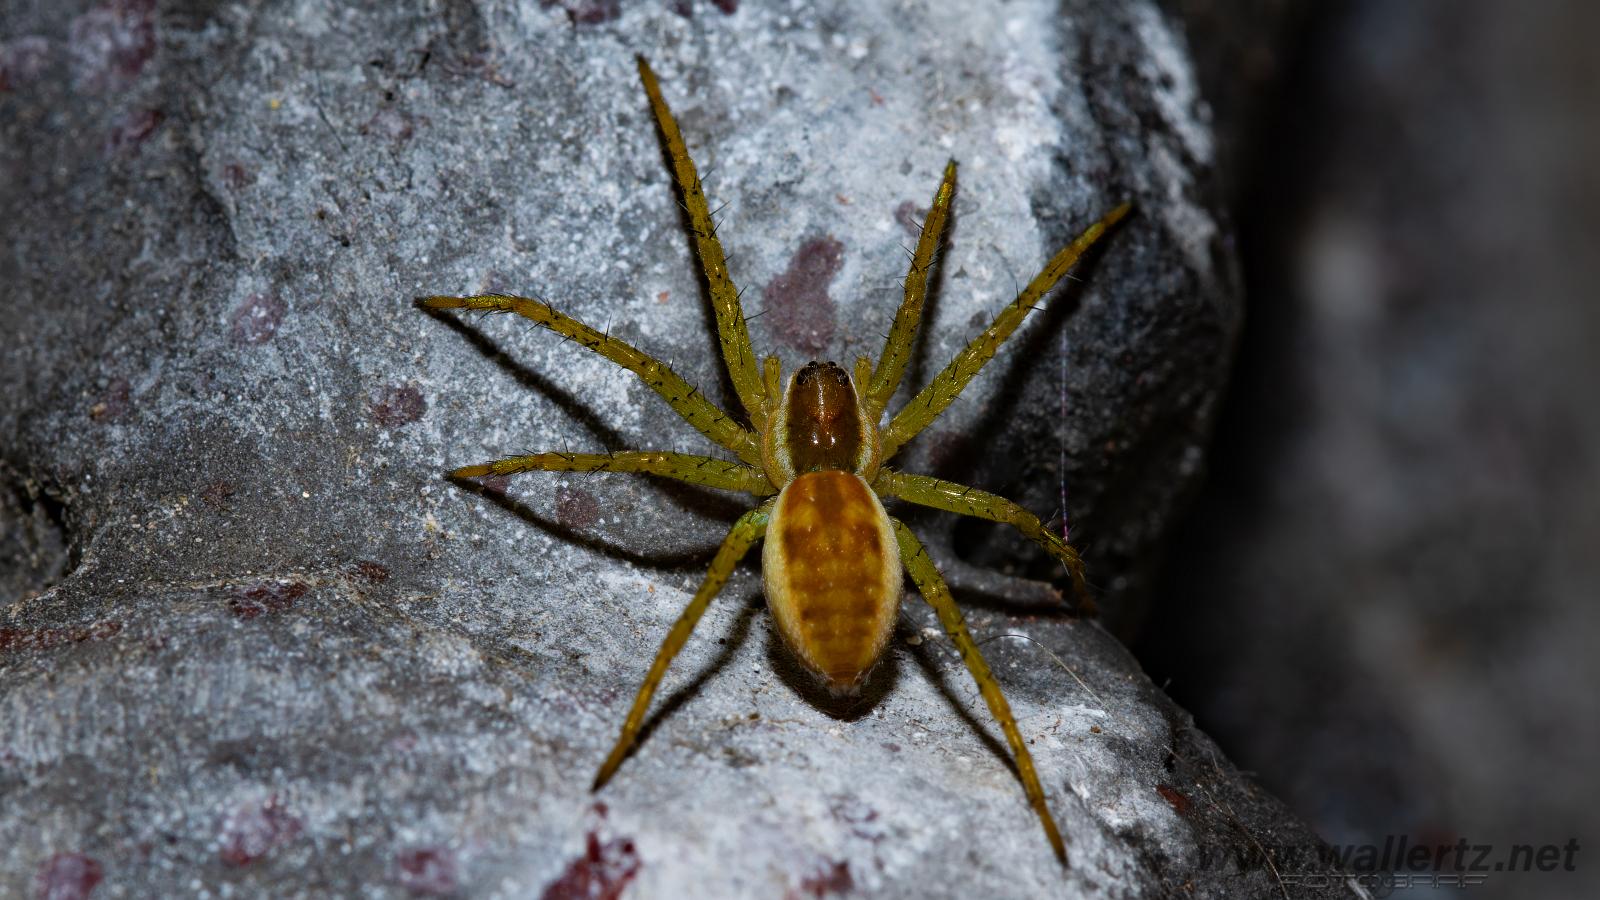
{"x": 833, "y": 576}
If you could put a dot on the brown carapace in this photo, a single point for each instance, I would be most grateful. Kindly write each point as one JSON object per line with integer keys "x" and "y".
{"x": 834, "y": 561}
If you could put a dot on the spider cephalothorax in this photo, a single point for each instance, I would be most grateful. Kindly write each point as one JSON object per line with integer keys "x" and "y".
{"x": 819, "y": 423}
{"x": 834, "y": 561}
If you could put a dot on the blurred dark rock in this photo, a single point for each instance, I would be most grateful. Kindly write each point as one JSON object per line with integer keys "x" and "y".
{"x": 1385, "y": 604}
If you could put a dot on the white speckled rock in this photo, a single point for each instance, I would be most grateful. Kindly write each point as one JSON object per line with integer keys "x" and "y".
{"x": 255, "y": 644}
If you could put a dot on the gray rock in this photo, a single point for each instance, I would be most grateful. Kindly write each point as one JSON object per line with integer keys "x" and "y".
{"x": 254, "y": 643}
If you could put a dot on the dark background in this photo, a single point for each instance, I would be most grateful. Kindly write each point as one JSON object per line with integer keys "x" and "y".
{"x": 1383, "y": 602}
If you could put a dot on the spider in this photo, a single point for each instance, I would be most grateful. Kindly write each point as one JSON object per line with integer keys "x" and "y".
{"x": 814, "y": 452}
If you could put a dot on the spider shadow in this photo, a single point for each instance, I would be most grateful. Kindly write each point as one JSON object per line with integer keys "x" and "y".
{"x": 737, "y": 634}
{"x": 880, "y": 681}
{"x": 701, "y": 501}
{"x": 1026, "y": 351}
{"x": 707, "y": 310}
{"x": 916, "y": 373}
{"x": 1025, "y": 356}
{"x": 878, "y": 685}
{"x": 609, "y": 437}
{"x": 980, "y": 587}
{"x": 922, "y": 655}
{"x": 676, "y": 560}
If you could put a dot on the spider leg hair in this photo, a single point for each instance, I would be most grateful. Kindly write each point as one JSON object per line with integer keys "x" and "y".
{"x": 702, "y": 470}
{"x": 706, "y": 417}
{"x": 745, "y": 532}
{"x": 925, "y": 490}
{"x": 731, "y": 331}
{"x": 897, "y": 345}
{"x": 947, "y": 385}
{"x": 928, "y": 580}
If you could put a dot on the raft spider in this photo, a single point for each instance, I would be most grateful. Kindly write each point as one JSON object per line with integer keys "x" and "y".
{"x": 833, "y": 559}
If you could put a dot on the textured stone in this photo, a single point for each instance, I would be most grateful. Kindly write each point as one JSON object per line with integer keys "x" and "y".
{"x": 253, "y": 641}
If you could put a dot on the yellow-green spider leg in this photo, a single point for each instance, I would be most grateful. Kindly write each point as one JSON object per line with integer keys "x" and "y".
{"x": 706, "y": 417}
{"x": 703, "y": 470}
{"x": 745, "y": 532}
{"x": 731, "y": 330}
{"x": 925, "y": 490}
{"x": 897, "y": 347}
{"x": 772, "y": 378}
{"x": 947, "y": 385}
{"x": 931, "y": 584}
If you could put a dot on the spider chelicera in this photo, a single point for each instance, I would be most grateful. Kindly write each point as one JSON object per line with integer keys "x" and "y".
{"x": 833, "y": 559}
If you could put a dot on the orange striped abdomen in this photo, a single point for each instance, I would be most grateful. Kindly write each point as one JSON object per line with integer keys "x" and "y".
{"x": 833, "y": 577}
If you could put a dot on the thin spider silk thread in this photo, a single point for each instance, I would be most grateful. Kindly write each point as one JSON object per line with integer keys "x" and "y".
{"x": 1061, "y": 431}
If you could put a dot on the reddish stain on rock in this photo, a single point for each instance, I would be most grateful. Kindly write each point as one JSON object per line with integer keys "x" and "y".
{"x": 256, "y": 319}
{"x": 427, "y": 871}
{"x": 268, "y": 597}
{"x": 1173, "y": 796}
{"x": 67, "y": 876}
{"x": 45, "y": 638}
{"x": 587, "y": 12}
{"x": 256, "y": 829}
{"x": 371, "y": 572}
{"x": 497, "y": 282}
{"x": 131, "y": 130}
{"x": 600, "y": 873}
{"x": 22, "y": 61}
{"x": 390, "y": 123}
{"x": 910, "y": 217}
{"x": 802, "y": 313}
{"x": 238, "y": 176}
{"x": 216, "y": 493}
{"x": 685, "y": 8}
{"x": 832, "y": 878}
{"x": 115, "y": 404}
{"x": 111, "y": 43}
{"x": 576, "y": 507}
{"x": 498, "y": 485}
{"x": 394, "y": 405}
{"x": 857, "y": 816}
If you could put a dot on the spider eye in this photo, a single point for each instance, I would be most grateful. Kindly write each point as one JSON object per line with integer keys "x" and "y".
{"x": 813, "y": 370}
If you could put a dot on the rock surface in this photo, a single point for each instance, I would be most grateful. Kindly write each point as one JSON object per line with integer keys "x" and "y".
{"x": 253, "y": 642}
